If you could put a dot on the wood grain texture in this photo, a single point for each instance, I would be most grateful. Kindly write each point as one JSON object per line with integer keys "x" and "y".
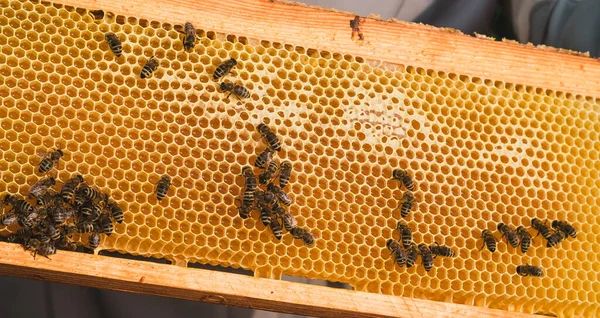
{"x": 223, "y": 288}
{"x": 392, "y": 42}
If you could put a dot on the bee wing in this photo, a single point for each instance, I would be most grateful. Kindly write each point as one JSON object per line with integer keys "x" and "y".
{"x": 42, "y": 154}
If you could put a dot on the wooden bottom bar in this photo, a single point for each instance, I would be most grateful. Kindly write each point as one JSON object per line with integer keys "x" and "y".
{"x": 223, "y": 288}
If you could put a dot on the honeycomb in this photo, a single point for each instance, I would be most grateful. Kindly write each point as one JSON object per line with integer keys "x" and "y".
{"x": 481, "y": 152}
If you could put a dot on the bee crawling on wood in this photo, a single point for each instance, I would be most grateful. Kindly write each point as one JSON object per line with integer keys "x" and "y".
{"x": 511, "y": 235}
{"x": 237, "y": 90}
{"x": 356, "y": 25}
{"x": 49, "y": 160}
{"x": 149, "y": 68}
{"x": 114, "y": 43}
{"x": 225, "y": 68}
{"x": 529, "y": 270}
{"x": 489, "y": 240}
{"x": 162, "y": 187}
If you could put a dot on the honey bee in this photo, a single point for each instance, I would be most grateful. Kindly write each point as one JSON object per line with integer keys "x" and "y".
{"x": 106, "y": 224}
{"x": 288, "y": 220}
{"x": 402, "y": 176}
{"x": 66, "y": 243}
{"x": 40, "y": 188}
{"x": 224, "y": 68}
{"x": 45, "y": 249}
{"x": 275, "y": 227}
{"x": 59, "y": 214}
{"x": 69, "y": 187}
{"x": 92, "y": 194}
{"x": 263, "y": 158}
{"x": 264, "y": 198}
{"x": 49, "y": 160}
{"x": 405, "y": 233}
{"x": 511, "y": 235}
{"x": 85, "y": 227}
{"x": 283, "y": 197}
{"x": 19, "y": 206}
{"x": 49, "y": 197}
{"x": 304, "y": 235}
{"x": 94, "y": 240}
{"x": 79, "y": 199}
{"x": 53, "y": 233}
{"x": 114, "y": 43}
{"x": 556, "y": 238}
{"x": 30, "y": 243}
{"x": 564, "y": 227}
{"x": 69, "y": 229}
{"x": 189, "y": 40}
{"x": 285, "y": 172}
{"x": 407, "y": 203}
{"x": 250, "y": 178}
{"x": 244, "y": 211}
{"x": 237, "y": 90}
{"x": 411, "y": 255}
{"x": 115, "y": 211}
{"x": 529, "y": 270}
{"x": 441, "y": 250}
{"x": 269, "y": 173}
{"x": 355, "y": 24}
{"x": 266, "y": 214}
{"x": 149, "y": 68}
{"x": 537, "y": 225}
{"x": 162, "y": 187}
{"x": 9, "y": 219}
{"x": 269, "y": 136}
{"x": 524, "y": 238}
{"x": 397, "y": 251}
{"x": 426, "y": 256}
{"x": 489, "y": 240}
{"x": 90, "y": 212}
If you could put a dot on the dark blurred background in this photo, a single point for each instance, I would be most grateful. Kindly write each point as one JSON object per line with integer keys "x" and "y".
{"x": 568, "y": 24}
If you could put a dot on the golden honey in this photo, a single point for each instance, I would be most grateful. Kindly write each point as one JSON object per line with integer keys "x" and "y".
{"x": 480, "y": 151}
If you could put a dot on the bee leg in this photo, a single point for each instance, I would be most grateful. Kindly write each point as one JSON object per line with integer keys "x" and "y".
{"x": 228, "y": 95}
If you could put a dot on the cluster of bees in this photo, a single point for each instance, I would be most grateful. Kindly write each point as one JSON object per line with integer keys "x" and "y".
{"x": 411, "y": 251}
{"x": 260, "y": 193}
{"x": 521, "y": 236}
{"x": 57, "y": 215}
{"x": 189, "y": 42}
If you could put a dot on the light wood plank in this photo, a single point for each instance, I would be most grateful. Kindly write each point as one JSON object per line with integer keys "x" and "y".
{"x": 223, "y": 288}
{"x": 393, "y": 42}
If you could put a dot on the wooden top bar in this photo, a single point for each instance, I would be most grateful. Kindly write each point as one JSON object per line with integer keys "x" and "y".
{"x": 393, "y": 42}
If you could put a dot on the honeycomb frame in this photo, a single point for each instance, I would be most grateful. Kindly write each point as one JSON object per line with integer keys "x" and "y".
{"x": 475, "y": 162}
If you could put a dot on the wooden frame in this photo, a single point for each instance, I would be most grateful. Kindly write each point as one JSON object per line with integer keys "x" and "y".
{"x": 392, "y": 42}
{"x": 223, "y": 288}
